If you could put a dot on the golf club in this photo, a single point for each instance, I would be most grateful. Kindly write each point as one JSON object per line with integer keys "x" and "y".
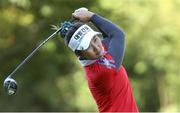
{"x": 10, "y": 85}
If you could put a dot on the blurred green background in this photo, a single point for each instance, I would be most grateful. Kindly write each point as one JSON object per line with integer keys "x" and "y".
{"x": 53, "y": 80}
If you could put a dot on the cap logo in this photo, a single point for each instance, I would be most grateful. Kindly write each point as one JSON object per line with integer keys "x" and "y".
{"x": 82, "y": 32}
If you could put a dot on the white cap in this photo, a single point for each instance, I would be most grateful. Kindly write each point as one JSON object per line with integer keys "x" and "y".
{"x": 82, "y": 38}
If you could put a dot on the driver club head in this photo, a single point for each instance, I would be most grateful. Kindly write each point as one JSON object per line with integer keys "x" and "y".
{"x": 10, "y": 86}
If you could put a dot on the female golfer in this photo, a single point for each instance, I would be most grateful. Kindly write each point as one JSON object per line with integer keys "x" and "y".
{"x": 102, "y": 61}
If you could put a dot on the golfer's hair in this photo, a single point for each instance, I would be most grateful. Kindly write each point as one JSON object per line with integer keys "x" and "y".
{"x": 70, "y": 33}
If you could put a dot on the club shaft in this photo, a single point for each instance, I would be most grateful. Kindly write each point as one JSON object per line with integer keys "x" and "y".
{"x": 33, "y": 52}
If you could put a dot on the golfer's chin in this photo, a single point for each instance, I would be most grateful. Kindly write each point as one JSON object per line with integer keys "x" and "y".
{"x": 101, "y": 53}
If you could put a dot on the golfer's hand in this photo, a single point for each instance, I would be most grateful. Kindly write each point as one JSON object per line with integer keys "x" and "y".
{"x": 82, "y": 14}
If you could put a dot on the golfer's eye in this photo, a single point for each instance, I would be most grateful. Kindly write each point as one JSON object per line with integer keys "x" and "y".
{"x": 95, "y": 39}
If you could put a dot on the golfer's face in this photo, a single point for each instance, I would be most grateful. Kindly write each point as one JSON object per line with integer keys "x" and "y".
{"x": 94, "y": 50}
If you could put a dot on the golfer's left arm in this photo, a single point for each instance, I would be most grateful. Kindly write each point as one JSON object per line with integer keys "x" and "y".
{"x": 116, "y": 38}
